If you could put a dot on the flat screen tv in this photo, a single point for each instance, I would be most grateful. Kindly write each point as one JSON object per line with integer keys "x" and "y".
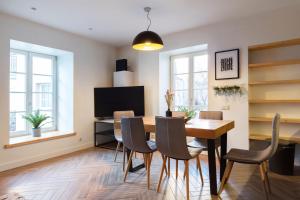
{"x": 110, "y": 99}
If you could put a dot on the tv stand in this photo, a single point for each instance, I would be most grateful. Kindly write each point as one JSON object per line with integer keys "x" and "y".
{"x": 103, "y": 132}
{"x": 104, "y": 118}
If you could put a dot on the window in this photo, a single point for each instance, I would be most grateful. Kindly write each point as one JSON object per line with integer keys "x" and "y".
{"x": 32, "y": 87}
{"x": 189, "y": 78}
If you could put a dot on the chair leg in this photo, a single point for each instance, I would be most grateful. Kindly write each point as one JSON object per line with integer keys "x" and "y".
{"x": 128, "y": 165}
{"x": 116, "y": 153}
{"x": 145, "y": 160}
{"x": 147, "y": 156}
{"x": 262, "y": 175}
{"x": 176, "y": 168}
{"x": 186, "y": 162}
{"x": 226, "y": 176}
{"x": 151, "y": 155}
{"x": 267, "y": 176}
{"x": 199, "y": 168}
{"x": 184, "y": 173}
{"x": 218, "y": 154}
{"x": 169, "y": 167}
{"x": 124, "y": 150}
{"x": 149, "y": 160}
{"x": 163, "y": 167}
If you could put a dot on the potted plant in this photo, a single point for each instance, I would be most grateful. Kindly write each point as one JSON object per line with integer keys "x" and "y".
{"x": 169, "y": 96}
{"x": 36, "y": 119}
{"x": 189, "y": 114}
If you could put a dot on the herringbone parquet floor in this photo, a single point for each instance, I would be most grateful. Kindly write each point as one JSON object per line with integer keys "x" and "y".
{"x": 92, "y": 174}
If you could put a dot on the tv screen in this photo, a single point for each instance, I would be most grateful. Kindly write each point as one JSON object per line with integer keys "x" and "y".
{"x": 108, "y": 100}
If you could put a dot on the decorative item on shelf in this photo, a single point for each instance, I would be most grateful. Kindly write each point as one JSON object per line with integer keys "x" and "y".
{"x": 147, "y": 40}
{"x": 227, "y": 64}
{"x": 36, "y": 119}
{"x": 169, "y": 96}
{"x": 228, "y": 90}
{"x": 189, "y": 114}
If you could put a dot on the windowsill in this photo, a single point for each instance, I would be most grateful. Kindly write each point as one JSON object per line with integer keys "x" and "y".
{"x": 27, "y": 140}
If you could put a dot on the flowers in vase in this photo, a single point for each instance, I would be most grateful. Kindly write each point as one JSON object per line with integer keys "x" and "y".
{"x": 169, "y": 96}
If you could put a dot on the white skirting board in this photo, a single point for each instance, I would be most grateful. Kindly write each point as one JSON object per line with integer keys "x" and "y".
{"x": 41, "y": 157}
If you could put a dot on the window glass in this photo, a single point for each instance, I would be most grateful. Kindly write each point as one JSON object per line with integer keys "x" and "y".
{"x": 181, "y": 65}
{"x": 42, "y": 65}
{"x": 17, "y": 82}
{"x": 181, "y": 82}
{"x": 40, "y": 83}
{"x": 190, "y": 81}
{"x": 17, "y": 62}
{"x": 31, "y": 89}
{"x": 200, "y": 63}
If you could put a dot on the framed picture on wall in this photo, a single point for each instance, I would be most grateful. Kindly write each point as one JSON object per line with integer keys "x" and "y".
{"x": 227, "y": 64}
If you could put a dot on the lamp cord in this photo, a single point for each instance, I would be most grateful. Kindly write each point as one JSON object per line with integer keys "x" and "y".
{"x": 149, "y": 19}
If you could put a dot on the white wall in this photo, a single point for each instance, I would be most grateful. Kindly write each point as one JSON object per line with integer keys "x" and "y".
{"x": 93, "y": 67}
{"x": 268, "y": 27}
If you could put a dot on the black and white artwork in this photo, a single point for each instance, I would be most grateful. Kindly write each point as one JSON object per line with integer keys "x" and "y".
{"x": 227, "y": 64}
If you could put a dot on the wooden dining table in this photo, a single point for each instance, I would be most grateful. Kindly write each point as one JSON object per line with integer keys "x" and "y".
{"x": 205, "y": 129}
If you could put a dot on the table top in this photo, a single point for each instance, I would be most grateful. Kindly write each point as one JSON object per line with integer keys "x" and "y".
{"x": 201, "y": 128}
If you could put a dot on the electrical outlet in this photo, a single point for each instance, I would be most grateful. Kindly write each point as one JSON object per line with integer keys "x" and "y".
{"x": 227, "y": 107}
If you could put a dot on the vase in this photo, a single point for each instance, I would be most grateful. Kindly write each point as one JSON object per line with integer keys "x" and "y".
{"x": 168, "y": 113}
{"x": 36, "y": 132}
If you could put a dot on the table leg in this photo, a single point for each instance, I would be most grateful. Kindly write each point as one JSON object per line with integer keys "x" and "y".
{"x": 212, "y": 166}
{"x": 223, "y": 153}
{"x": 95, "y": 136}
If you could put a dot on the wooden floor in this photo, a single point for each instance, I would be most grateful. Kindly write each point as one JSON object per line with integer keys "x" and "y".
{"x": 92, "y": 174}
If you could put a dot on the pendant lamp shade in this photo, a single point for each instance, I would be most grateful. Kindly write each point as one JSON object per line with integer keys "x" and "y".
{"x": 147, "y": 40}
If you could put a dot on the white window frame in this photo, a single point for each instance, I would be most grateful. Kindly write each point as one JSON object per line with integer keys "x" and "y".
{"x": 191, "y": 73}
{"x": 28, "y": 92}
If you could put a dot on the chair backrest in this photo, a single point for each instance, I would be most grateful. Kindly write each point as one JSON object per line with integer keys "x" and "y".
{"x": 217, "y": 115}
{"x": 171, "y": 137}
{"x": 178, "y": 114}
{"x": 117, "y": 117}
{"x": 275, "y": 135}
{"x": 133, "y": 134}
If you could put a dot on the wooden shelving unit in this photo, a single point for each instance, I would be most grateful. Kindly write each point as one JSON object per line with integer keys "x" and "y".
{"x": 275, "y": 45}
{"x": 274, "y": 82}
{"x": 277, "y": 101}
{"x": 275, "y": 63}
{"x": 283, "y": 137}
{"x": 268, "y": 119}
{"x": 288, "y": 100}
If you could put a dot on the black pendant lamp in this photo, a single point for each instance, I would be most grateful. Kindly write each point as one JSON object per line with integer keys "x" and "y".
{"x": 147, "y": 40}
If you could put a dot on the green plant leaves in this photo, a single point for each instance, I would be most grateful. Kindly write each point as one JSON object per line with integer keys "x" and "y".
{"x": 228, "y": 90}
{"x": 188, "y": 113}
{"x": 36, "y": 119}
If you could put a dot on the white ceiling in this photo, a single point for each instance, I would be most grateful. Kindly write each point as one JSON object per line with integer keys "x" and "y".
{"x": 117, "y": 21}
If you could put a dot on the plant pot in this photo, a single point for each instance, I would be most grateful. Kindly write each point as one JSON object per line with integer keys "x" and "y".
{"x": 36, "y": 132}
{"x": 168, "y": 113}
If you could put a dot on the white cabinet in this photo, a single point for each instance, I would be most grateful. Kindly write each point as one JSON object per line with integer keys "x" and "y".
{"x": 123, "y": 79}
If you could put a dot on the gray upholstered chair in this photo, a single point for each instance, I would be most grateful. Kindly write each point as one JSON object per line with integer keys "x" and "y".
{"x": 171, "y": 142}
{"x": 202, "y": 143}
{"x": 254, "y": 157}
{"x": 118, "y": 133}
{"x": 134, "y": 138}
